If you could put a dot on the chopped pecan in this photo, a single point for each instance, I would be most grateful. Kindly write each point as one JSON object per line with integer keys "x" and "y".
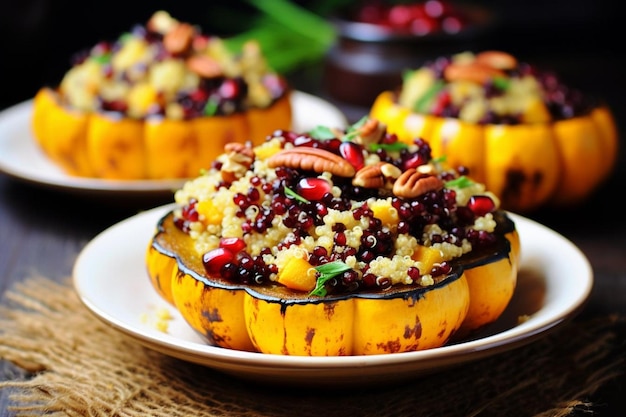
{"x": 371, "y": 132}
{"x": 426, "y": 169}
{"x": 239, "y": 158}
{"x": 312, "y": 159}
{"x": 204, "y": 66}
{"x": 178, "y": 39}
{"x": 161, "y": 22}
{"x": 380, "y": 175}
{"x": 413, "y": 183}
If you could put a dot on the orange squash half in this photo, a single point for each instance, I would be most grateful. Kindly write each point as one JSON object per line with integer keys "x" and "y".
{"x": 104, "y": 145}
{"x": 528, "y": 166}
{"x": 277, "y": 320}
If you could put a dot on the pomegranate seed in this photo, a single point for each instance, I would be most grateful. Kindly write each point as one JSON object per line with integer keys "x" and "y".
{"x": 414, "y": 273}
{"x": 353, "y": 153}
{"x": 452, "y": 24}
{"x": 233, "y": 244}
{"x": 423, "y": 26}
{"x": 229, "y": 89}
{"x": 199, "y": 95}
{"x": 331, "y": 145}
{"x": 434, "y": 8}
{"x": 313, "y": 189}
{"x": 481, "y": 205}
{"x": 215, "y": 259}
{"x": 400, "y": 16}
{"x": 189, "y": 211}
{"x": 414, "y": 161}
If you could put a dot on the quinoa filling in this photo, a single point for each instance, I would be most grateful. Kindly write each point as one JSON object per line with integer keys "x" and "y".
{"x": 358, "y": 205}
{"x": 490, "y": 87}
{"x": 168, "y": 68}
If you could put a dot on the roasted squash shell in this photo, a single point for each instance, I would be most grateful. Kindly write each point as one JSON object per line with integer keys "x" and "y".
{"x": 277, "y": 320}
{"x": 108, "y": 146}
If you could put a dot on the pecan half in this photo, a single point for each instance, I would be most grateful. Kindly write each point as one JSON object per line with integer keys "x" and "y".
{"x": 239, "y": 158}
{"x": 312, "y": 159}
{"x": 412, "y": 184}
{"x": 178, "y": 39}
{"x": 475, "y": 72}
{"x": 379, "y": 175}
{"x": 497, "y": 59}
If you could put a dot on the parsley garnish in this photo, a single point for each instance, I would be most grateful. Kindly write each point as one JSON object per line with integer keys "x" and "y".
{"x": 102, "y": 58}
{"x": 210, "y": 107}
{"x": 291, "y": 193}
{"x": 423, "y": 103}
{"x": 327, "y": 272}
{"x": 396, "y": 146}
{"x": 322, "y": 133}
{"x": 461, "y": 182}
{"x": 353, "y": 130}
{"x": 501, "y": 83}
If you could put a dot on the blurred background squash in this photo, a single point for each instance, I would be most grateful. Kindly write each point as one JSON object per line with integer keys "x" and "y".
{"x": 530, "y": 139}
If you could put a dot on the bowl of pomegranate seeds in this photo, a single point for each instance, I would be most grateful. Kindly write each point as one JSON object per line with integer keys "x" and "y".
{"x": 378, "y": 40}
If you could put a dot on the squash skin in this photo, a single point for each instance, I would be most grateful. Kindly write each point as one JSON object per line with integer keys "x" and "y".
{"x": 101, "y": 146}
{"x": 554, "y": 164}
{"x": 278, "y": 321}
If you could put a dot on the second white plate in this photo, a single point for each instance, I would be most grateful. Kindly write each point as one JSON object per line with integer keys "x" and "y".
{"x": 21, "y": 158}
{"x": 111, "y": 280}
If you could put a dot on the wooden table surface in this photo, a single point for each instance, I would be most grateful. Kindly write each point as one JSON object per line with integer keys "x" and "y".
{"x": 43, "y": 230}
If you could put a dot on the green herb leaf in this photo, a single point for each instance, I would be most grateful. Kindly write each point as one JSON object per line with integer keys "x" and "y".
{"x": 390, "y": 147}
{"x": 461, "y": 182}
{"x": 327, "y": 272}
{"x": 353, "y": 130}
{"x": 406, "y": 74}
{"x": 322, "y": 133}
{"x": 501, "y": 83}
{"x": 291, "y": 193}
{"x": 290, "y": 35}
{"x": 210, "y": 108}
{"x": 102, "y": 58}
{"x": 423, "y": 104}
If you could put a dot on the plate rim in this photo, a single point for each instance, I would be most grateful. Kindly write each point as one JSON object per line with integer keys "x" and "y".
{"x": 18, "y": 114}
{"x": 250, "y": 364}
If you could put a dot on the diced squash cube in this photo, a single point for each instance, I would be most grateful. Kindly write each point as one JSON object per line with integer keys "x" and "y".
{"x": 385, "y": 212}
{"x": 212, "y": 214}
{"x": 428, "y": 256}
{"x": 298, "y": 274}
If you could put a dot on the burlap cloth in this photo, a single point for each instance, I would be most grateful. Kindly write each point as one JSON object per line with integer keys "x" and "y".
{"x": 79, "y": 366}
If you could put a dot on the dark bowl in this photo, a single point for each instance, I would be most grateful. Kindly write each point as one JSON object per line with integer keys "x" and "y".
{"x": 367, "y": 58}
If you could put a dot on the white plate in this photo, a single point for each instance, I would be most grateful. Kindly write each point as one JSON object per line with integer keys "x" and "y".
{"x": 111, "y": 280}
{"x": 21, "y": 158}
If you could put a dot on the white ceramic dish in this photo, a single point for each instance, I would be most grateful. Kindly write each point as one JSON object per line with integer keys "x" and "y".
{"x": 21, "y": 158}
{"x": 111, "y": 280}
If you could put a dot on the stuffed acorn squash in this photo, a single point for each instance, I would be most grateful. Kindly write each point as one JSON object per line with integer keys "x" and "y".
{"x": 334, "y": 243}
{"x": 159, "y": 102}
{"x": 532, "y": 141}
